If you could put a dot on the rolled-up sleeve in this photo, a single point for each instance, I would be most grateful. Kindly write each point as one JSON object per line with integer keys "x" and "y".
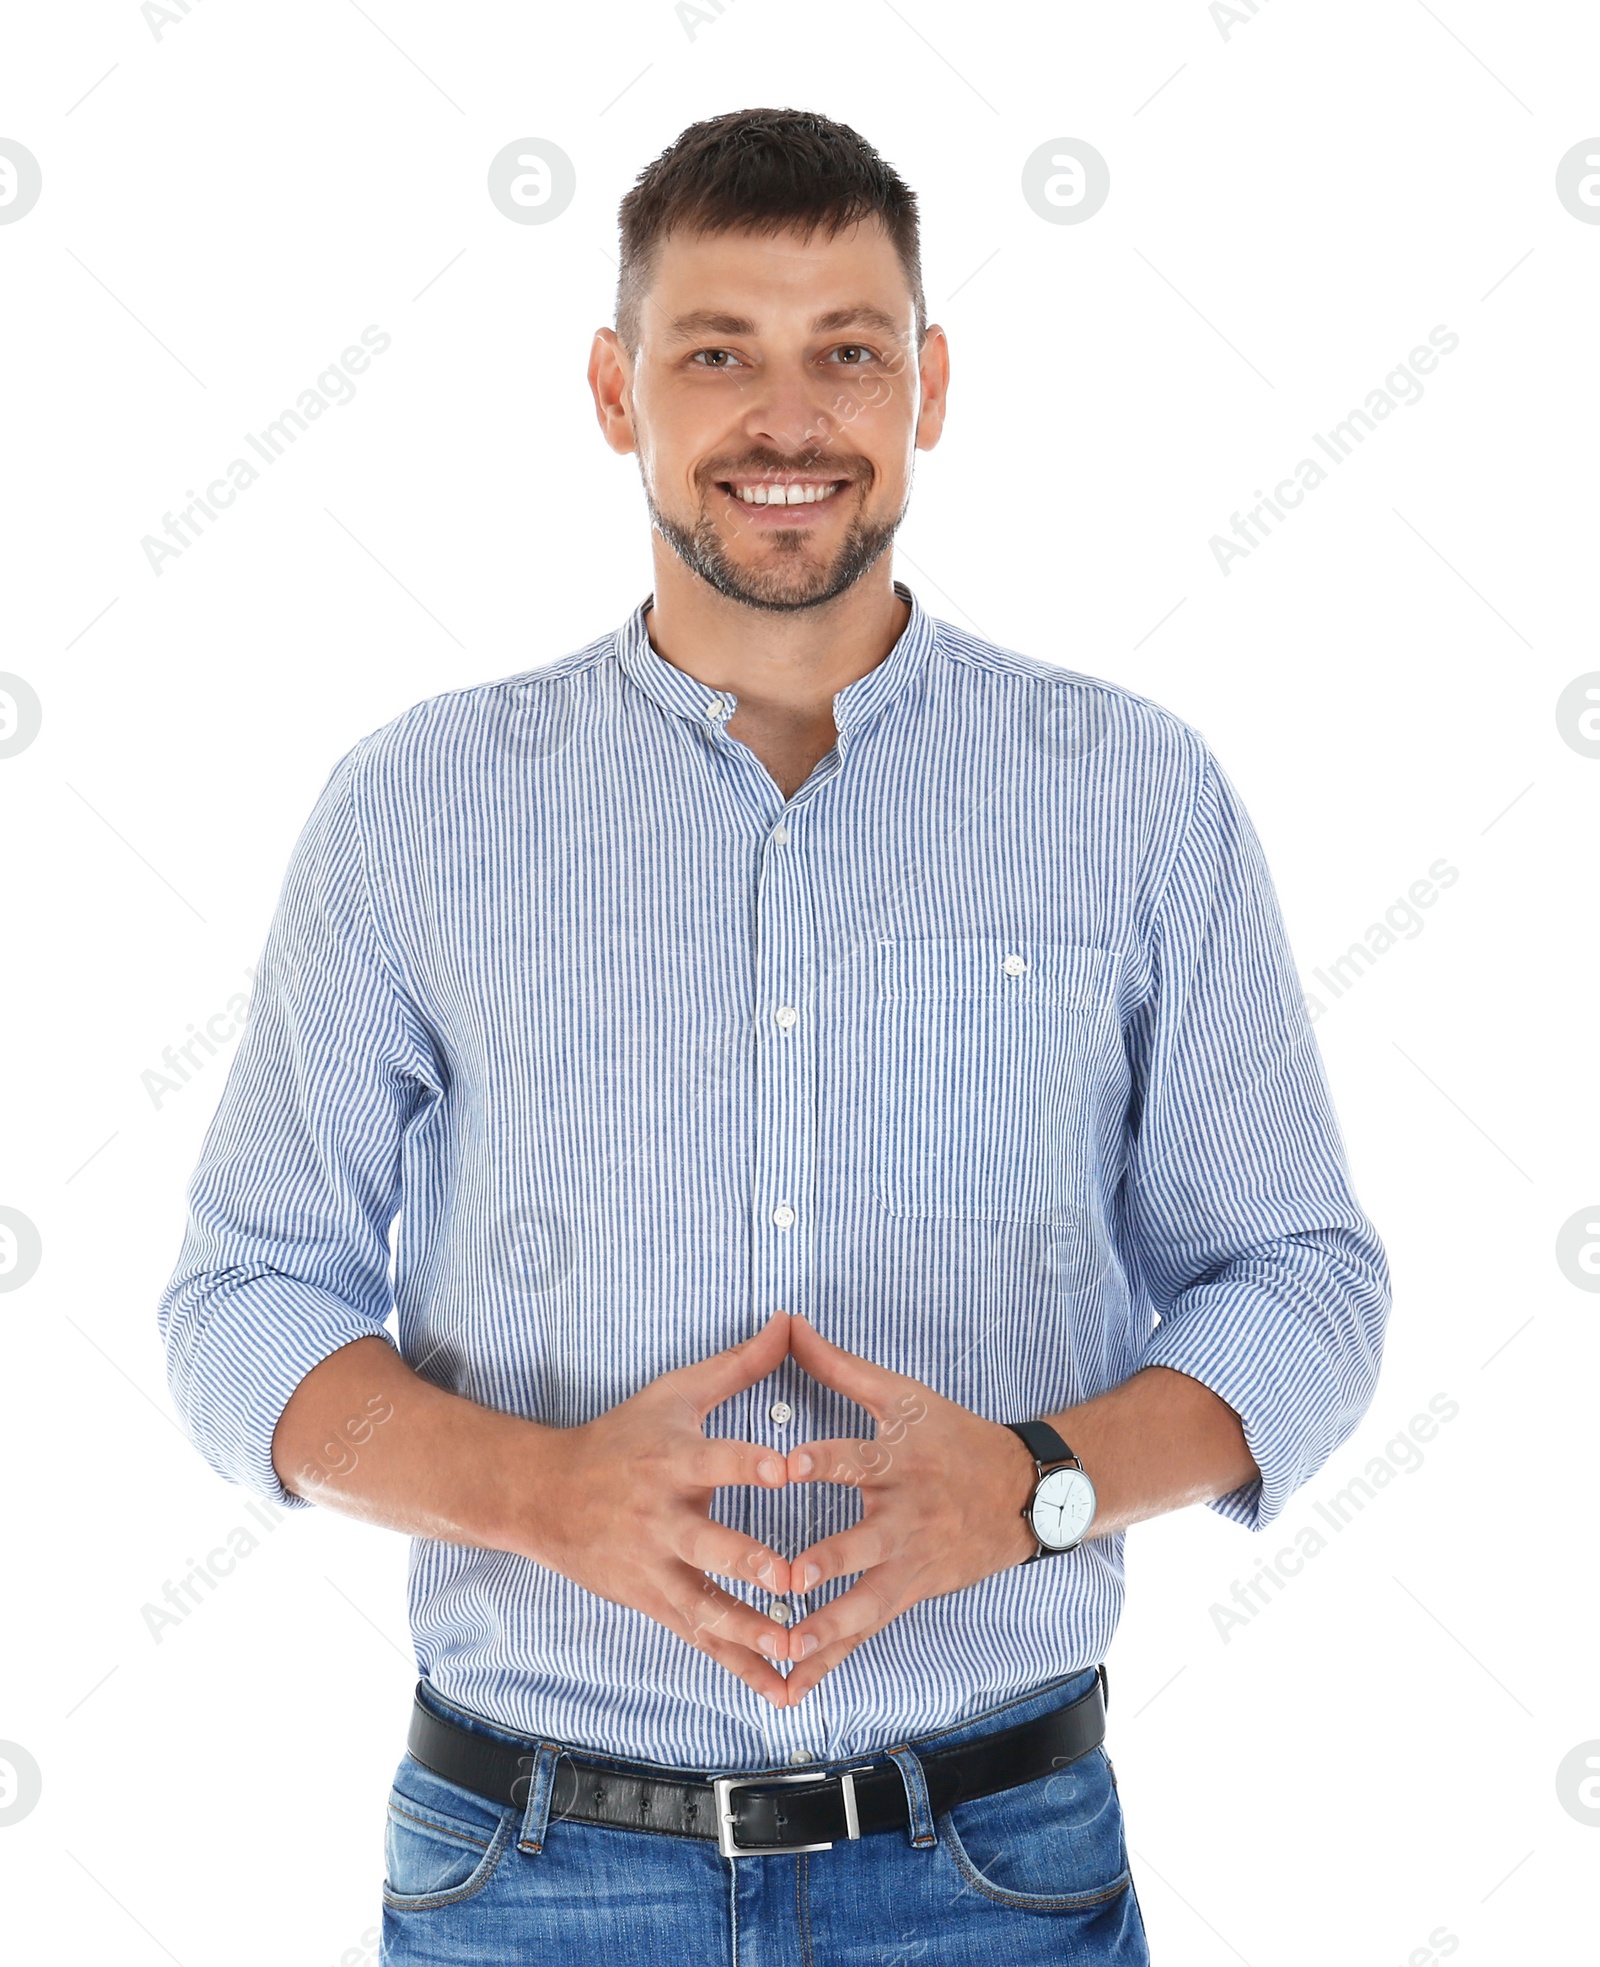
{"x": 1271, "y": 1285}
{"x": 285, "y": 1255}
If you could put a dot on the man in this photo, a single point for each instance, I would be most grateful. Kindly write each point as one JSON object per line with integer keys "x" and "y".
{"x": 858, "y": 1144}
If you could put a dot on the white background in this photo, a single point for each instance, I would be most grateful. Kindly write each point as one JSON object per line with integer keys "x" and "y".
{"x": 1295, "y": 203}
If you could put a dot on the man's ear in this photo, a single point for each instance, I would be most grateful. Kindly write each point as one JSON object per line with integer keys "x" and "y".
{"x": 610, "y": 380}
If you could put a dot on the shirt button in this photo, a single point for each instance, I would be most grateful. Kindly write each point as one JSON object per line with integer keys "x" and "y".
{"x": 781, "y": 1411}
{"x": 780, "y": 834}
{"x": 799, "y": 1755}
{"x": 716, "y": 708}
{"x": 1014, "y": 965}
{"x": 780, "y": 1610}
{"x": 786, "y": 1015}
{"x": 783, "y": 1215}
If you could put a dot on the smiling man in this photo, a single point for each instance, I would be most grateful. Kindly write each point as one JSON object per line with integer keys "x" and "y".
{"x": 858, "y": 1146}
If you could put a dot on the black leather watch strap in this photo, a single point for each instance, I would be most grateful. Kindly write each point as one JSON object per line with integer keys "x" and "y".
{"x": 1042, "y": 1442}
{"x": 1046, "y": 1447}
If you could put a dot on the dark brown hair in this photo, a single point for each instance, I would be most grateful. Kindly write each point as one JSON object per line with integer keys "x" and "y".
{"x": 761, "y": 170}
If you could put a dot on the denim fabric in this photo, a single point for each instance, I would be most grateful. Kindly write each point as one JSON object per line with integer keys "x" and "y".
{"x": 1030, "y": 1875}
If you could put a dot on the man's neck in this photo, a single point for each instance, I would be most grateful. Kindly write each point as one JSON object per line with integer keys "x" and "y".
{"x": 784, "y": 668}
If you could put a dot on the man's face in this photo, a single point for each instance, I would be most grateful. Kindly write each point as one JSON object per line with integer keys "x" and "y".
{"x": 775, "y": 404}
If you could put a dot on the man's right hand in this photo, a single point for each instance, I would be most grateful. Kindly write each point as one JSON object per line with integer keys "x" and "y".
{"x": 622, "y": 1507}
{"x": 620, "y": 1504}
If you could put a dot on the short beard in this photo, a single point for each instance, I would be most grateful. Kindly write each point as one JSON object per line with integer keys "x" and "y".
{"x": 700, "y": 547}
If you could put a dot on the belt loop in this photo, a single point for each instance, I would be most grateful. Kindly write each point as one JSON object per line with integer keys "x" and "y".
{"x": 1105, "y": 1686}
{"x": 541, "y": 1769}
{"x": 906, "y": 1761}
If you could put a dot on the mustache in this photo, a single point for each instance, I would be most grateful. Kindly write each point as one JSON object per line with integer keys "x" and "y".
{"x": 814, "y": 465}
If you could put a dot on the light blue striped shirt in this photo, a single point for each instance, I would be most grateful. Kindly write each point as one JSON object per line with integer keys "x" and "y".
{"x": 985, "y": 1050}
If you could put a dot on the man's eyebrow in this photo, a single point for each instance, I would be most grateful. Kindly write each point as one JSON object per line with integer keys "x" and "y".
{"x": 709, "y": 321}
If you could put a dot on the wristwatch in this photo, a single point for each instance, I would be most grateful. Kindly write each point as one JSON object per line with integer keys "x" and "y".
{"x": 1061, "y": 1508}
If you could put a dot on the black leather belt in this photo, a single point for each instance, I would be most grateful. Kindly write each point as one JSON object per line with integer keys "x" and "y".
{"x": 748, "y": 1815}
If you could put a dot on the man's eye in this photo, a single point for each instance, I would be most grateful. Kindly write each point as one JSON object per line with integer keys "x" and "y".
{"x": 727, "y": 352}
{"x": 858, "y": 349}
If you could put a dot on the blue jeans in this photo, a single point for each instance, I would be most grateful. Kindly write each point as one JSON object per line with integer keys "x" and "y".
{"x": 1030, "y": 1875}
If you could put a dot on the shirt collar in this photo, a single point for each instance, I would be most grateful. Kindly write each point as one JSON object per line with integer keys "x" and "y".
{"x": 853, "y": 707}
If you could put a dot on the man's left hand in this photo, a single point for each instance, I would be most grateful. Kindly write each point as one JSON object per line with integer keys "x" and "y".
{"x": 942, "y": 1490}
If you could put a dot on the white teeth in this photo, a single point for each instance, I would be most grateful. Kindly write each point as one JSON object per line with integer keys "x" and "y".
{"x": 785, "y": 494}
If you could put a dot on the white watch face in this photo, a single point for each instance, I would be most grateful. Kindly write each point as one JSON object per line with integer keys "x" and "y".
{"x": 1063, "y": 1508}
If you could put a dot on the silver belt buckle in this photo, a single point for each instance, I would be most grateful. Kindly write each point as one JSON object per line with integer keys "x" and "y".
{"x": 725, "y": 1785}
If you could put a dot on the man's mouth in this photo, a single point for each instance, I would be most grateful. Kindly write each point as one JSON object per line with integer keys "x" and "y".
{"x": 785, "y": 492}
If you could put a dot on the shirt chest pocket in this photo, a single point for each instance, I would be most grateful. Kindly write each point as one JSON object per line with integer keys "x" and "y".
{"x": 996, "y": 1065}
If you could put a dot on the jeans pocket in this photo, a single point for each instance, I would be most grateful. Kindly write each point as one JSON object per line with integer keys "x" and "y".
{"x": 1055, "y": 1844}
{"x": 442, "y": 1843}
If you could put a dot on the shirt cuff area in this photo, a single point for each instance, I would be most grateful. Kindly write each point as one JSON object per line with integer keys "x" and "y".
{"x": 256, "y": 1342}
{"x": 1259, "y": 1357}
